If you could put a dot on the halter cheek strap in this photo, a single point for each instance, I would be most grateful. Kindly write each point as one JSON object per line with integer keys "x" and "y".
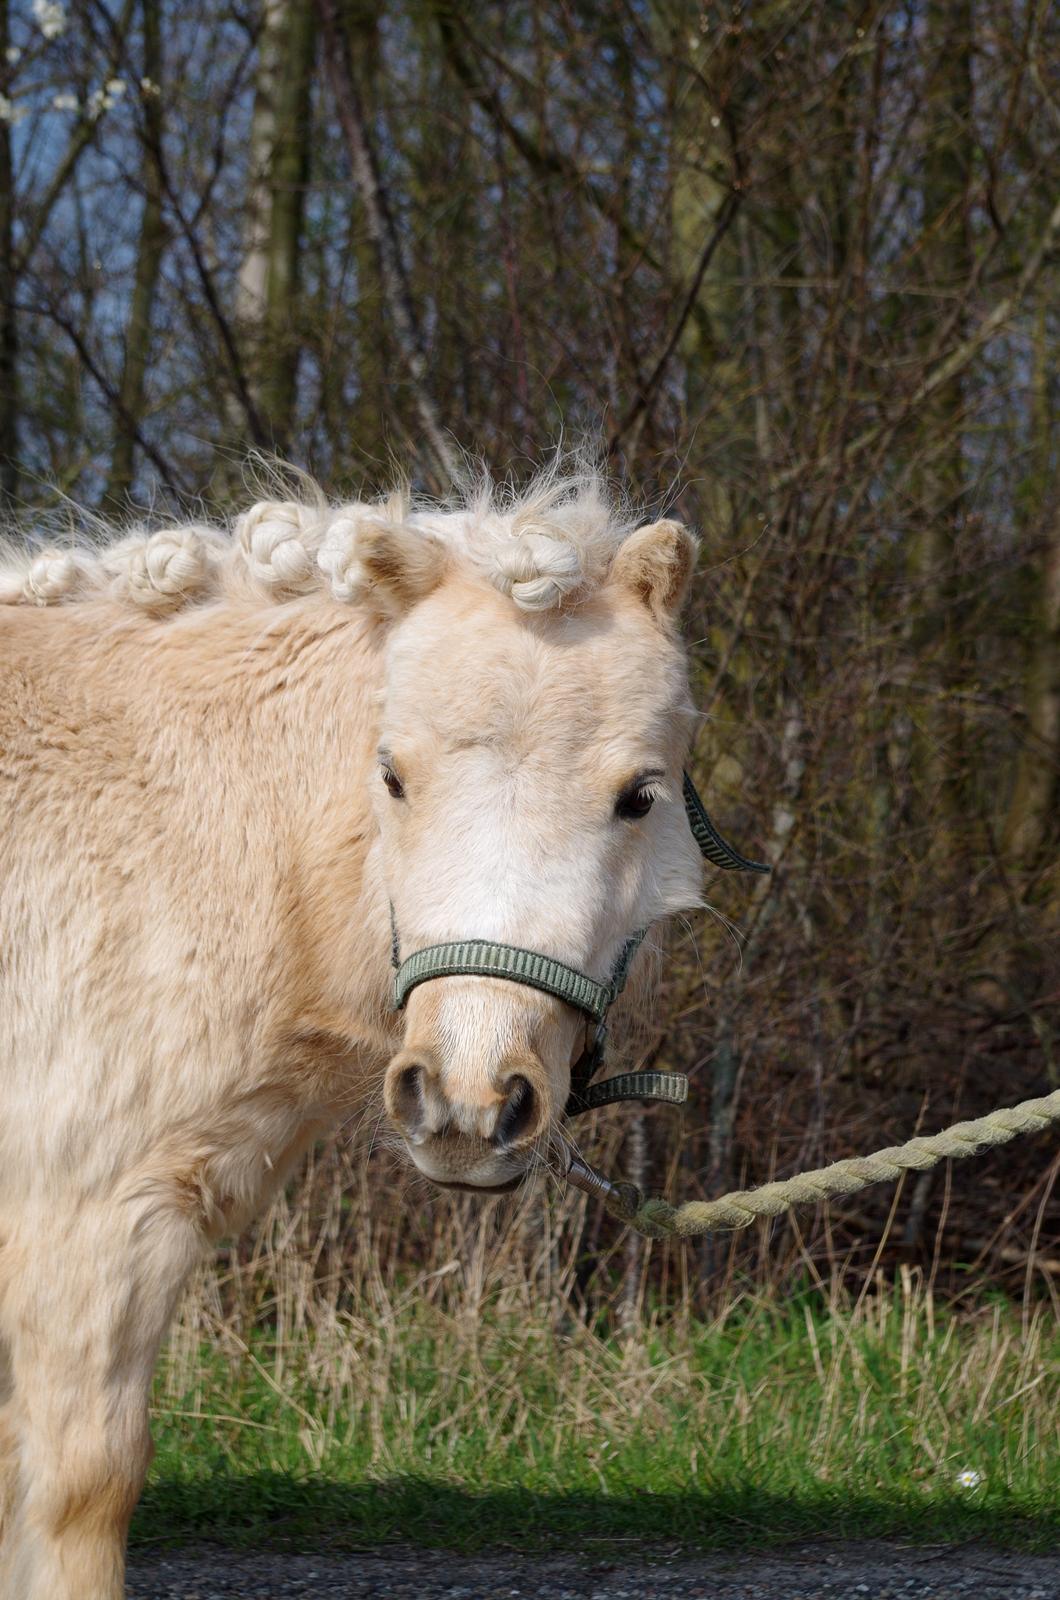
{"x": 482, "y": 958}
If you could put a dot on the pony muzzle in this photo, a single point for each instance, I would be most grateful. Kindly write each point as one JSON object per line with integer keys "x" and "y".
{"x": 468, "y": 1132}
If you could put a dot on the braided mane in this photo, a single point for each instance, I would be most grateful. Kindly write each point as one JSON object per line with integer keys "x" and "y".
{"x": 542, "y": 544}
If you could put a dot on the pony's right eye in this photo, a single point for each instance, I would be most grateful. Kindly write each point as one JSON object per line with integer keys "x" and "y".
{"x": 393, "y": 783}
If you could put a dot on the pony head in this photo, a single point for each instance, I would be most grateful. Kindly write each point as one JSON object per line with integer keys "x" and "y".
{"x": 532, "y": 729}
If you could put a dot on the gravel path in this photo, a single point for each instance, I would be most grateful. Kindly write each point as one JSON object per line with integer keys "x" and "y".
{"x": 871, "y": 1571}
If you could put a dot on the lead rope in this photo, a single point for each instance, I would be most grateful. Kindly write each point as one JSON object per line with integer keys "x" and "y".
{"x": 657, "y": 1219}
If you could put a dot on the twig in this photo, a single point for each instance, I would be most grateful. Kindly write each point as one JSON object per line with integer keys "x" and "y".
{"x": 110, "y": 393}
{"x": 723, "y": 222}
{"x": 382, "y": 231}
{"x": 954, "y": 363}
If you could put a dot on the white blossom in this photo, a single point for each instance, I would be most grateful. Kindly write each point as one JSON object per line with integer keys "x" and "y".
{"x": 64, "y": 102}
{"x": 969, "y": 1478}
{"x": 14, "y": 54}
{"x": 51, "y": 17}
{"x": 105, "y": 98}
{"x": 10, "y": 112}
{"x": 149, "y": 86}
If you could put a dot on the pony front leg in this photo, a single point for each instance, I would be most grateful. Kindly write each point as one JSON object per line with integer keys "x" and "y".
{"x": 85, "y": 1332}
{"x": 8, "y": 1445}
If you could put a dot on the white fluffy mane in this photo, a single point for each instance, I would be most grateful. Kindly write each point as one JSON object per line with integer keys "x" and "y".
{"x": 553, "y": 539}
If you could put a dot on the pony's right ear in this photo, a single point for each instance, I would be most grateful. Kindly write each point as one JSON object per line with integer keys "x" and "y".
{"x": 399, "y": 565}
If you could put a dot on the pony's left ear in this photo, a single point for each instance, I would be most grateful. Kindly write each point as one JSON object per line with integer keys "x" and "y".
{"x": 656, "y": 563}
{"x": 399, "y": 566}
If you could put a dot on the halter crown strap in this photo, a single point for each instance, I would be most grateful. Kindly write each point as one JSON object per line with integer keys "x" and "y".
{"x": 710, "y": 842}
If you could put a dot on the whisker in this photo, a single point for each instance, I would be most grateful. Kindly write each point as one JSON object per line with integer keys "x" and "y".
{"x": 735, "y": 934}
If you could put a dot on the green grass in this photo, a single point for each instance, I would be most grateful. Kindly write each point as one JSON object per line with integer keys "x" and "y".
{"x": 437, "y": 1425}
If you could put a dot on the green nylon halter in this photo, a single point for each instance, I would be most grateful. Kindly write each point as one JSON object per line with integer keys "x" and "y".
{"x": 483, "y": 958}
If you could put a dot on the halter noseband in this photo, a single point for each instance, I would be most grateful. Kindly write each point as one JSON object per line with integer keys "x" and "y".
{"x": 482, "y": 958}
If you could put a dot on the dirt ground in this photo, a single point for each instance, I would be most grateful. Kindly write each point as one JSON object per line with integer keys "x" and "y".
{"x": 869, "y": 1571}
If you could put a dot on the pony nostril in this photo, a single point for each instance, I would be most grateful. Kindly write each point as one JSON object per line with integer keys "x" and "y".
{"x": 407, "y": 1097}
{"x": 518, "y": 1112}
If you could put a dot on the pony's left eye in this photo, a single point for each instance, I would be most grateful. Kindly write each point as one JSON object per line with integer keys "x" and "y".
{"x": 635, "y": 801}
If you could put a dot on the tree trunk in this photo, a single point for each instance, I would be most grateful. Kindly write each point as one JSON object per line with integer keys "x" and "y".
{"x": 153, "y": 238}
{"x": 940, "y": 482}
{"x": 1031, "y": 820}
{"x": 361, "y": 20}
{"x": 280, "y": 136}
{"x": 8, "y": 278}
{"x": 385, "y": 235}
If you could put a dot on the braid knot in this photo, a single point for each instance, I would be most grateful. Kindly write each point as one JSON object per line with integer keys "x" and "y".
{"x": 277, "y": 538}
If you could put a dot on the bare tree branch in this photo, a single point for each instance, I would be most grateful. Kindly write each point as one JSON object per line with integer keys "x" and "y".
{"x": 169, "y": 479}
{"x": 383, "y": 232}
{"x": 82, "y": 136}
{"x": 955, "y": 362}
{"x": 259, "y": 433}
{"x": 547, "y": 161}
{"x": 726, "y": 215}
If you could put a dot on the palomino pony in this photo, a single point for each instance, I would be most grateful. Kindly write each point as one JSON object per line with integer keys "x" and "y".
{"x": 234, "y": 768}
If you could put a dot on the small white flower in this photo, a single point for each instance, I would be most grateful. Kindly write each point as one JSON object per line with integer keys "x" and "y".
{"x": 969, "y": 1479}
{"x": 14, "y": 54}
{"x": 51, "y": 17}
{"x": 715, "y": 122}
{"x": 96, "y": 104}
{"x": 148, "y": 86}
{"x": 115, "y": 87}
{"x": 64, "y": 102}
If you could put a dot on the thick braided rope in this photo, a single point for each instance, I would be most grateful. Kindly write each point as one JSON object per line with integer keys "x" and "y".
{"x": 657, "y": 1219}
